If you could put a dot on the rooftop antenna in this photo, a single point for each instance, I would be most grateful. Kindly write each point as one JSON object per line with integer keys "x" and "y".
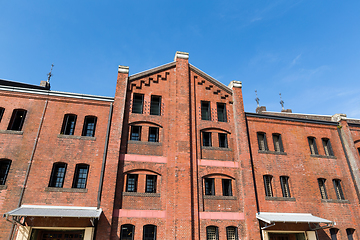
{"x": 50, "y": 74}
{"x": 281, "y": 102}
{"x": 257, "y": 99}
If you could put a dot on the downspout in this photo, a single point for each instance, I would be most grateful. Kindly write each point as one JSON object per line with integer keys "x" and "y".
{"x": 11, "y": 236}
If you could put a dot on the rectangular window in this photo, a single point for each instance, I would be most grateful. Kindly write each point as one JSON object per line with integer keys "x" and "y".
{"x": 231, "y": 233}
{"x": 205, "y": 111}
{"x": 127, "y": 232}
{"x": 312, "y": 145}
{"x": 150, "y": 184}
{"x": 135, "y": 134}
{"x": 4, "y": 170}
{"x": 80, "y": 177}
{"x": 153, "y": 134}
{"x": 349, "y": 233}
{"x": 212, "y": 233}
{"x": 2, "y": 110}
{"x": 223, "y": 143}
{"x": 333, "y": 233}
{"x": 262, "y": 141}
{"x": 17, "y": 120}
{"x": 58, "y": 175}
{"x": 221, "y": 112}
{"x": 284, "y": 180}
{"x": 226, "y": 185}
{"x": 68, "y": 126}
{"x": 206, "y": 139}
{"x": 155, "y": 105}
{"x": 209, "y": 186}
{"x": 327, "y": 147}
{"x": 131, "y": 183}
{"x": 338, "y": 189}
{"x": 278, "y": 146}
{"x": 149, "y": 232}
{"x": 138, "y": 101}
{"x": 89, "y": 126}
{"x": 268, "y": 185}
{"x": 321, "y": 182}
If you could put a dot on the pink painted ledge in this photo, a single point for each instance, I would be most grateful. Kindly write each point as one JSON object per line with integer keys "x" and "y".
{"x": 216, "y": 163}
{"x": 222, "y": 215}
{"x": 139, "y": 213}
{"x": 143, "y": 158}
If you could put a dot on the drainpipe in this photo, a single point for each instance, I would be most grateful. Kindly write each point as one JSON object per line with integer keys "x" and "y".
{"x": 11, "y": 236}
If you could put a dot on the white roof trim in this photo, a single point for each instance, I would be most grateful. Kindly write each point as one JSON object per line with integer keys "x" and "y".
{"x": 270, "y": 218}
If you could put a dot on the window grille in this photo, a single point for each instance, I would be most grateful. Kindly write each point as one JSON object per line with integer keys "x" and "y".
{"x": 131, "y": 183}
{"x": 17, "y": 120}
{"x": 149, "y": 232}
{"x": 89, "y": 126}
{"x": 138, "y": 101}
{"x": 209, "y": 186}
{"x": 278, "y": 146}
{"x": 312, "y": 145}
{"x": 212, "y": 233}
{"x": 268, "y": 187}
{"x": 4, "y": 170}
{"x": 221, "y": 112}
{"x": 2, "y": 110}
{"x": 327, "y": 147}
{"x": 231, "y": 233}
{"x": 321, "y": 182}
{"x": 153, "y": 134}
{"x": 58, "y": 175}
{"x": 205, "y": 111}
{"x": 207, "y": 139}
{"x": 80, "y": 177}
{"x": 284, "y": 180}
{"x": 155, "y": 105}
{"x": 262, "y": 141}
{"x": 226, "y": 185}
{"x": 135, "y": 133}
{"x": 150, "y": 184}
{"x": 127, "y": 232}
{"x": 338, "y": 189}
{"x": 223, "y": 143}
{"x": 68, "y": 126}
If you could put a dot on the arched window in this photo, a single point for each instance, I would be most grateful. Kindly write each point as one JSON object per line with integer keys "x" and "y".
{"x": 350, "y": 233}
{"x": 68, "y": 126}
{"x": 17, "y": 120}
{"x": 231, "y": 233}
{"x": 127, "y": 232}
{"x": 58, "y": 175}
{"x": 333, "y": 233}
{"x": 268, "y": 185}
{"x": 262, "y": 141}
{"x": 80, "y": 176}
{"x": 149, "y": 232}
{"x": 212, "y": 233}
{"x": 4, "y": 170}
{"x": 89, "y": 126}
{"x": 338, "y": 189}
{"x": 327, "y": 147}
{"x": 278, "y": 146}
{"x": 312, "y": 146}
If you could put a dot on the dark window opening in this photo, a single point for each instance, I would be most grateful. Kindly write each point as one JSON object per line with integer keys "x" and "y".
{"x": 212, "y": 233}
{"x": 138, "y": 100}
{"x": 80, "y": 176}
{"x": 350, "y": 233}
{"x": 321, "y": 182}
{"x": 68, "y": 126}
{"x": 284, "y": 180}
{"x": 278, "y": 146}
{"x": 153, "y": 134}
{"x": 4, "y": 170}
{"x": 205, "y": 111}
{"x": 150, "y": 184}
{"x": 268, "y": 185}
{"x": 262, "y": 141}
{"x": 89, "y": 126}
{"x": 127, "y": 232}
{"x": 207, "y": 139}
{"x": 209, "y": 186}
{"x": 149, "y": 232}
{"x": 131, "y": 183}
{"x": 333, "y": 233}
{"x": 223, "y": 143}
{"x": 327, "y": 147}
{"x": 338, "y": 189}
{"x": 2, "y": 110}
{"x": 226, "y": 185}
{"x": 312, "y": 145}
{"x": 58, "y": 175}
{"x": 155, "y": 105}
{"x": 221, "y": 112}
{"x": 231, "y": 233}
{"x": 135, "y": 133}
{"x": 17, "y": 120}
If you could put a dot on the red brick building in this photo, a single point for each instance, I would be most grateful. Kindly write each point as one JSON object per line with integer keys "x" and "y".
{"x": 172, "y": 156}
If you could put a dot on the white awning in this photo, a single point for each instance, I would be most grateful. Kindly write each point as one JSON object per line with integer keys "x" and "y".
{"x": 54, "y": 211}
{"x": 270, "y": 218}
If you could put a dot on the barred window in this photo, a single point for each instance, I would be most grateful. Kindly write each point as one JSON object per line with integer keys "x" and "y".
{"x": 327, "y": 147}
{"x": 268, "y": 186}
{"x": 150, "y": 184}
{"x": 212, "y": 233}
{"x": 284, "y": 180}
{"x": 89, "y": 126}
{"x": 131, "y": 182}
{"x": 80, "y": 176}
{"x": 312, "y": 145}
{"x": 278, "y": 146}
{"x": 58, "y": 175}
{"x": 231, "y": 233}
{"x": 262, "y": 141}
{"x": 321, "y": 182}
{"x": 338, "y": 189}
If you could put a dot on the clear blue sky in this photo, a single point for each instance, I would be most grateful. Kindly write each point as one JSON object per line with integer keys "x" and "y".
{"x": 307, "y": 50}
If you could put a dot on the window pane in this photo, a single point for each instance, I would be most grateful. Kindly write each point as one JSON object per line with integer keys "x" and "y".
{"x": 226, "y": 184}
{"x": 278, "y": 147}
{"x": 58, "y": 175}
{"x": 17, "y": 120}
{"x": 333, "y": 232}
{"x": 81, "y": 173}
{"x": 207, "y": 139}
{"x": 153, "y": 134}
{"x": 4, "y": 170}
{"x": 127, "y": 232}
{"x": 262, "y": 142}
{"x": 267, "y": 184}
{"x": 150, "y": 184}
{"x": 312, "y": 145}
{"x": 212, "y": 233}
{"x": 155, "y": 105}
{"x": 221, "y": 111}
{"x": 135, "y": 133}
{"x": 205, "y": 111}
{"x": 285, "y": 186}
{"x": 209, "y": 186}
{"x": 131, "y": 184}
{"x": 327, "y": 147}
{"x": 322, "y": 188}
{"x": 338, "y": 189}
{"x": 2, "y": 110}
{"x": 349, "y": 233}
{"x": 89, "y": 126}
{"x": 223, "y": 140}
{"x": 138, "y": 103}
{"x": 69, "y": 122}
{"x": 149, "y": 232}
{"x": 231, "y": 233}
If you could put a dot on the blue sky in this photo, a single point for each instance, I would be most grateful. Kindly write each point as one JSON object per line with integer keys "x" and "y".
{"x": 307, "y": 50}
